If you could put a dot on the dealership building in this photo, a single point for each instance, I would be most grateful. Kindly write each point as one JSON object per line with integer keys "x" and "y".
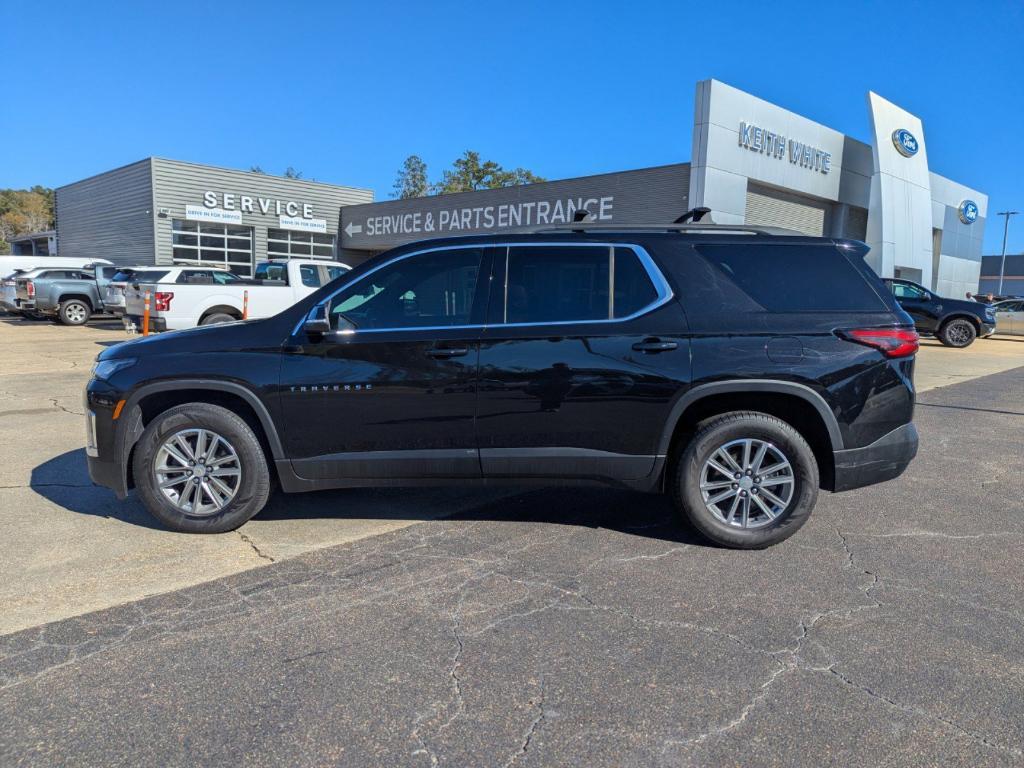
{"x": 752, "y": 162}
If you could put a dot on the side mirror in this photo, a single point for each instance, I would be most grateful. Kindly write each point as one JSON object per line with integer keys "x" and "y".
{"x": 318, "y": 322}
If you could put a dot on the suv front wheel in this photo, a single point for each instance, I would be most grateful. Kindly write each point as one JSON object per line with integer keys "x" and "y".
{"x": 958, "y": 332}
{"x": 746, "y": 480}
{"x": 199, "y": 468}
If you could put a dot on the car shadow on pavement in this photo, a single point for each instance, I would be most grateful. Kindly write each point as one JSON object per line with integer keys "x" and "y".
{"x": 649, "y": 515}
{"x": 64, "y": 481}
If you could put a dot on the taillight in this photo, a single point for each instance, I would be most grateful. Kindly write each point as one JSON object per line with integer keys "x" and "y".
{"x": 30, "y": 288}
{"x": 162, "y": 301}
{"x": 891, "y": 342}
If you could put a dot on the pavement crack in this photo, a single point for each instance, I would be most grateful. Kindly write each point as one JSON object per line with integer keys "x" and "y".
{"x": 259, "y": 553}
{"x": 974, "y": 735}
{"x": 672, "y": 551}
{"x": 937, "y": 535}
{"x": 531, "y": 729}
{"x": 762, "y": 692}
{"x": 66, "y": 410}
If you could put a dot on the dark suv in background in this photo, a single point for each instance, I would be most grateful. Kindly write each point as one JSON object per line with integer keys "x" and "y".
{"x": 954, "y": 322}
{"x": 736, "y": 369}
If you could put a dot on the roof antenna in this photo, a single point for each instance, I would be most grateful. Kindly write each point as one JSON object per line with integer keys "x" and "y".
{"x": 581, "y": 216}
{"x": 694, "y": 215}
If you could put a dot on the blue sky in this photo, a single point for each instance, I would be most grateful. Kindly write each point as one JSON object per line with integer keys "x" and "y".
{"x": 344, "y": 91}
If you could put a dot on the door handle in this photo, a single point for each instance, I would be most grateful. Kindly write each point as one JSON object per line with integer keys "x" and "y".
{"x": 444, "y": 353}
{"x": 653, "y": 346}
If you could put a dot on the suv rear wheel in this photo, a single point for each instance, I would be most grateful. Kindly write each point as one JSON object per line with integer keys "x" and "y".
{"x": 199, "y": 468}
{"x": 74, "y": 312}
{"x": 958, "y": 332}
{"x": 746, "y": 480}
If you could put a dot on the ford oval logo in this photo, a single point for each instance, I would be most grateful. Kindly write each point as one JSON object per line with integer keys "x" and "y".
{"x": 968, "y": 211}
{"x": 904, "y": 142}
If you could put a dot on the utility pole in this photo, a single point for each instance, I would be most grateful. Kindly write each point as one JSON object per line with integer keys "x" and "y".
{"x": 1006, "y": 226}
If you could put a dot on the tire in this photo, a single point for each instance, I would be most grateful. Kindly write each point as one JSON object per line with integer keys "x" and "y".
{"x": 218, "y": 317}
{"x": 179, "y": 425}
{"x": 729, "y": 431}
{"x": 74, "y": 312}
{"x": 958, "y": 332}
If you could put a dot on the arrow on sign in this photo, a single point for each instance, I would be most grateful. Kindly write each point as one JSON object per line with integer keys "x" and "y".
{"x": 350, "y": 228}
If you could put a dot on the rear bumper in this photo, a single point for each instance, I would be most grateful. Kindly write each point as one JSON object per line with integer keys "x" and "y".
{"x": 155, "y": 323}
{"x": 883, "y": 460}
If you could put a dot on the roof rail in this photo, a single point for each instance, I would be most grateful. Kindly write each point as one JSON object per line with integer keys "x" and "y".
{"x": 749, "y": 229}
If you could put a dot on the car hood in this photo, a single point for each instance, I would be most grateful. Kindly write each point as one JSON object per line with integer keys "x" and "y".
{"x": 221, "y": 337}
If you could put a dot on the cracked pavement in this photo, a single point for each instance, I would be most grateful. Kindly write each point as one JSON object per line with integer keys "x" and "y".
{"x": 579, "y": 627}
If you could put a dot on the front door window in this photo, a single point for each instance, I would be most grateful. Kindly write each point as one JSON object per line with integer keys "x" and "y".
{"x": 431, "y": 290}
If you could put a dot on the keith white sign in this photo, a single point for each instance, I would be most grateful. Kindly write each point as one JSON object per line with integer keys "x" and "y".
{"x": 758, "y": 139}
{"x": 218, "y": 215}
{"x": 303, "y": 225}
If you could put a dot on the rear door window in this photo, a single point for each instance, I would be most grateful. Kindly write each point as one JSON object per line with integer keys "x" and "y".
{"x": 336, "y": 272}
{"x": 794, "y": 278}
{"x": 560, "y": 284}
{"x": 310, "y": 276}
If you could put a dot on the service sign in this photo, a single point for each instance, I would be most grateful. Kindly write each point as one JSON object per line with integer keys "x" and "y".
{"x": 212, "y": 215}
{"x": 650, "y": 195}
{"x": 302, "y": 225}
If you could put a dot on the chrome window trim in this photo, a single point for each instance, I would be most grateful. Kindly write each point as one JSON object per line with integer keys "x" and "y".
{"x": 661, "y": 287}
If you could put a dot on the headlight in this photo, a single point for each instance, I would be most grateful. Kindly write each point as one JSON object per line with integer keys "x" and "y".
{"x": 104, "y": 369}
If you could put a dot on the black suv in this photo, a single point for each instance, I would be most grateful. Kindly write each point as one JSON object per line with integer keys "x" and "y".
{"x": 954, "y": 322}
{"x": 733, "y": 368}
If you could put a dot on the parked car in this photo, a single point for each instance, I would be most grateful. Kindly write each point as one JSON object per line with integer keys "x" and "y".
{"x": 205, "y": 297}
{"x": 9, "y": 292}
{"x": 1010, "y": 316}
{"x": 13, "y": 266}
{"x": 954, "y": 322}
{"x": 114, "y": 296}
{"x": 70, "y": 296}
{"x": 663, "y": 360}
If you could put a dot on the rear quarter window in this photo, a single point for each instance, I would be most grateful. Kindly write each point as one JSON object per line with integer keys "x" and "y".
{"x": 147, "y": 276}
{"x": 794, "y": 278}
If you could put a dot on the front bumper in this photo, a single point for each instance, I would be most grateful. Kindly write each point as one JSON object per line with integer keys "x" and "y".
{"x": 883, "y": 460}
{"x": 987, "y": 329}
{"x": 109, "y": 440}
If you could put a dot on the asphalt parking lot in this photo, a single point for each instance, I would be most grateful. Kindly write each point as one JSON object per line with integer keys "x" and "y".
{"x": 545, "y": 627}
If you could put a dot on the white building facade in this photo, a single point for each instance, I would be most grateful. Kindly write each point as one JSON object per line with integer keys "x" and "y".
{"x": 756, "y": 163}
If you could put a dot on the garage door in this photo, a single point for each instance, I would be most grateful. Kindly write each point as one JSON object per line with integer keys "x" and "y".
{"x": 771, "y": 208}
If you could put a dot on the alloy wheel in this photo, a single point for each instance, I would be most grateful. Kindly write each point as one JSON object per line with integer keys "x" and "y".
{"x": 197, "y": 471}
{"x": 747, "y": 483}
{"x": 959, "y": 334}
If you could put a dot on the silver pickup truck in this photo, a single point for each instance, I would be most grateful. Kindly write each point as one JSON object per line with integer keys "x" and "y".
{"x": 71, "y": 296}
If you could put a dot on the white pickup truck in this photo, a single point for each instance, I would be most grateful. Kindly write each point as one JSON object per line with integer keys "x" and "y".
{"x": 205, "y": 296}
